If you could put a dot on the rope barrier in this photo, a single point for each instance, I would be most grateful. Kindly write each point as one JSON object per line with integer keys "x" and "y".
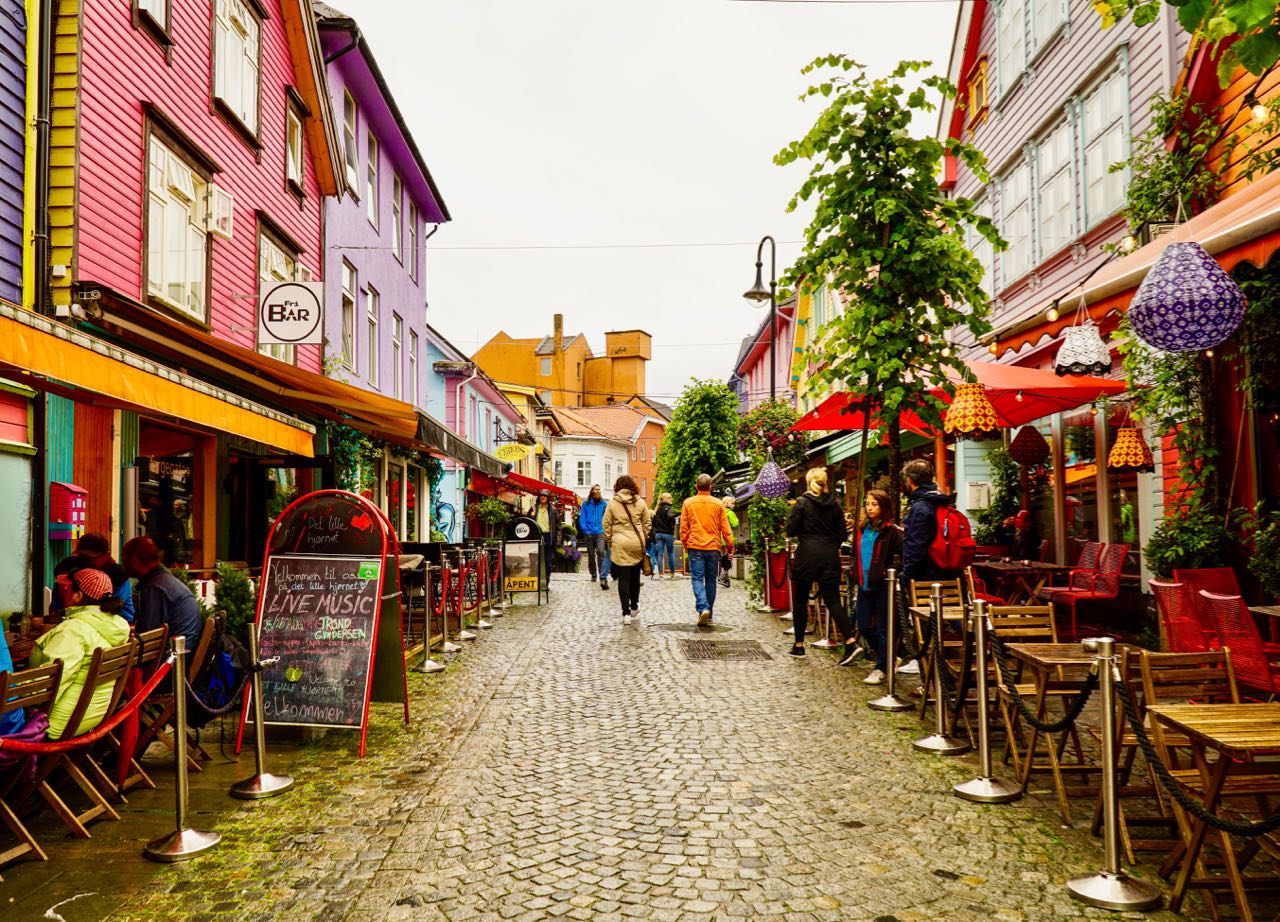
{"x": 1174, "y": 787}
{"x": 776, "y": 584}
{"x": 445, "y": 576}
{"x": 1009, "y": 683}
{"x": 99, "y": 732}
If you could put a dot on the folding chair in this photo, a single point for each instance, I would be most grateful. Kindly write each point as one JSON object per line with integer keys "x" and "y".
{"x": 155, "y": 715}
{"x": 151, "y": 650}
{"x": 31, "y": 688}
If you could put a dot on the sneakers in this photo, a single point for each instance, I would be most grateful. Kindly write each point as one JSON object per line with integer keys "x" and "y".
{"x": 911, "y": 667}
{"x": 604, "y": 584}
{"x": 875, "y": 678}
{"x": 724, "y": 582}
{"x": 851, "y": 653}
{"x": 704, "y": 619}
{"x": 626, "y": 619}
{"x": 797, "y": 651}
{"x": 635, "y": 611}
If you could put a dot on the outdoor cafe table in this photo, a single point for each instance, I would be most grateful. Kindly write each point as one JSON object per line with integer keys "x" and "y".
{"x": 1019, "y": 580}
{"x": 1235, "y": 733}
{"x": 1056, "y": 668}
{"x": 1272, "y": 613}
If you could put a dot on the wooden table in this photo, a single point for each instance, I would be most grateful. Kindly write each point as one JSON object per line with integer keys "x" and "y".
{"x": 1059, "y": 669}
{"x": 1234, "y": 733}
{"x": 1020, "y": 579}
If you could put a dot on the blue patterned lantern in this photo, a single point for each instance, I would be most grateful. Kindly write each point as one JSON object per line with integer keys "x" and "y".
{"x": 1187, "y": 302}
{"x": 772, "y": 482}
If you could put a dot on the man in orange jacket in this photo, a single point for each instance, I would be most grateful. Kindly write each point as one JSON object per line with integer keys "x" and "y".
{"x": 704, "y": 533}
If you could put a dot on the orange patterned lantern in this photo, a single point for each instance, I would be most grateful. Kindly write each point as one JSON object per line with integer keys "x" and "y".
{"x": 971, "y": 414}
{"x": 1130, "y": 452}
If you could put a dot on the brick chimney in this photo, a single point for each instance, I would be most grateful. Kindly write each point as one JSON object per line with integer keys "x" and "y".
{"x": 558, "y": 333}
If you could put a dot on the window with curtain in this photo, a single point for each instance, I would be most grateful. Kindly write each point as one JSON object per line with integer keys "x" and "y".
{"x": 236, "y": 53}
{"x": 177, "y": 238}
{"x": 1057, "y": 189}
{"x": 1105, "y": 143}
{"x": 1015, "y": 224}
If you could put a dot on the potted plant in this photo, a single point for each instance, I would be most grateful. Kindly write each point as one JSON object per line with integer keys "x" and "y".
{"x": 492, "y": 513}
{"x": 765, "y": 434}
{"x": 1263, "y": 529}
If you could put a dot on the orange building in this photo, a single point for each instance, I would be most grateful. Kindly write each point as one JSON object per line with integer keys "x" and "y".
{"x": 565, "y": 372}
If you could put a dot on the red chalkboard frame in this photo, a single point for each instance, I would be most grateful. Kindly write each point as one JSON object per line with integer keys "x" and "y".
{"x": 389, "y": 542}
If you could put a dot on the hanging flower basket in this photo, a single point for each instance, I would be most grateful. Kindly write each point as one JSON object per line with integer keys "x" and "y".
{"x": 1130, "y": 452}
{"x": 772, "y": 482}
{"x": 1187, "y": 302}
{"x": 1028, "y": 447}
{"x": 971, "y": 415}
{"x": 1083, "y": 352}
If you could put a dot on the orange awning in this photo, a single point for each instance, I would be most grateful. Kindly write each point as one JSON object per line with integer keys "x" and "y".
{"x": 1242, "y": 228}
{"x": 34, "y": 345}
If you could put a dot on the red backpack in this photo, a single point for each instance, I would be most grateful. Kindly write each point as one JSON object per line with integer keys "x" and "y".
{"x": 953, "y": 545}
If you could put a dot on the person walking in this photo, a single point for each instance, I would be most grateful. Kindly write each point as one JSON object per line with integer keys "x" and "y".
{"x": 817, "y": 525}
{"x": 591, "y": 527}
{"x": 548, "y": 520}
{"x": 664, "y": 537}
{"x": 919, "y": 528}
{"x": 704, "y": 533}
{"x": 726, "y": 560}
{"x": 626, "y": 525}
{"x": 878, "y": 548}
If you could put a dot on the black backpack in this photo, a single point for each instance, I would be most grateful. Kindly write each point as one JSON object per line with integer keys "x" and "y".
{"x": 219, "y": 688}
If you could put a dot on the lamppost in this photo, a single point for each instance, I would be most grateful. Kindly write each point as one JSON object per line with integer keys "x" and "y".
{"x": 758, "y": 293}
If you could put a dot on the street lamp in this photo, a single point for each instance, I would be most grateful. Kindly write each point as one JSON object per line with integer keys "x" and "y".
{"x": 759, "y": 293}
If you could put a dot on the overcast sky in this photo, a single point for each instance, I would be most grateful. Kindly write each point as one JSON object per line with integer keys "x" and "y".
{"x": 564, "y": 123}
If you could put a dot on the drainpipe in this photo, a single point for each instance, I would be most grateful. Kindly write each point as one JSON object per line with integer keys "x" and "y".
{"x": 457, "y": 400}
{"x": 44, "y": 114}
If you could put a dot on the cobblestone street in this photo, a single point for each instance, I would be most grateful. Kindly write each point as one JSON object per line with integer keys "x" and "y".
{"x": 569, "y": 766}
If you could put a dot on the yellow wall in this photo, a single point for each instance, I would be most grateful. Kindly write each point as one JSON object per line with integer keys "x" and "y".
{"x": 63, "y": 141}
{"x": 577, "y": 377}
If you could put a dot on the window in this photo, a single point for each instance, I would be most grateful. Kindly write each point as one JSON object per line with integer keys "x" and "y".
{"x": 819, "y": 309}
{"x": 348, "y": 314}
{"x": 1104, "y": 144}
{"x": 349, "y": 142}
{"x": 981, "y": 247}
{"x": 158, "y": 13}
{"x": 371, "y": 347}
{"x": 397, "y": 216}
{"x": 1046, "y": 17}
{"x": 1015, "y": 226}
{"x": 413, "y": 368}
{"x": 177, "y": 235}
{"x": 584, "y": 473}
{"x": 1011, "y": 42}
{"x": 236, "y": 52}
{"x": 544, "y": 367}
{"x": 276, "y": 264}
{"x": 1057, "y": 190}
{"x": 976, "y": 89}
{"x": 559, "y": 473}
{"x": 608, "y": 473}
{"x": 293, "y": 146}
{"x": 371, "y": 182}
{"x": 545, "y": 397}
{"x": 397, "y": 358}
{"x": 488, "y": 429}
{"x": 413, "y": 241}
{"x": 644, "y": 487}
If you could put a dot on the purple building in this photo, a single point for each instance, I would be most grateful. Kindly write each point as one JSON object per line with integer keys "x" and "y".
{"x": 13, "y": 116}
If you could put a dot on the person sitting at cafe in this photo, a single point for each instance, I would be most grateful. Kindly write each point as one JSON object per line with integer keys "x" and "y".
{"x": 90, "y": 622}
{"x": 162, "y": 597}
{"x": 93, "y": 550}
{"x": 15, "y": 720}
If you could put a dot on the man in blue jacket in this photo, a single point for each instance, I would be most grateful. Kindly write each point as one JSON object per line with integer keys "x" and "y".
{"x": 591, "y": 527}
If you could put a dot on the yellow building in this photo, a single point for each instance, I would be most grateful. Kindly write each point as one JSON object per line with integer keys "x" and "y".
{"x": 537, "y": 431}
{"x": 563, "y": 370}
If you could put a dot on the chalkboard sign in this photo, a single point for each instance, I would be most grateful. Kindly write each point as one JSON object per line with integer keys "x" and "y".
{"x": 329, "y": 522}
{"x": 319, "y": 615}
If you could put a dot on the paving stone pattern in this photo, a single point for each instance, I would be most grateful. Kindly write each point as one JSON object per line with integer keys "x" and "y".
{"x": 568, "y": 766}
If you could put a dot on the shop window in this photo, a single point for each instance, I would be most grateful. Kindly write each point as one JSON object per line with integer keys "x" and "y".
{"x": 395, "y": 496}
{"x": 277, "y": 264}
{"x": 1105, "y": 142}
{"x": 349, "y": 142}
{"x": 236, "y": 55}
{"x": 166, "y": 491}
{"x": 1124, "y": 490}
{"x": 1057, "y": 189}
{"x": 413, "y": 478}
{"x": 1080, "y": 476}
{"x": 177, "y": 231}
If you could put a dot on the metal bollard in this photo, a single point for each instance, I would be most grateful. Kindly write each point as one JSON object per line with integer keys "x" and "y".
{"x": 890, "y": 700}
{"x": 939, "y": 742}
{"x": 446, "y": 646}
{"x": 986, "y": 788}
{"x": 463, "y": 633}
{"x": 183, "y": 843}
{"x": 428, "y": 666}
{"x": 1111, "y": 888}
{"x": 262, "y": 783}
{"x": 496, "y": 607}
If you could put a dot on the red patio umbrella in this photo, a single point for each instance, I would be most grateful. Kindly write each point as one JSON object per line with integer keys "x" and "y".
{"x": 1019, "y": 395}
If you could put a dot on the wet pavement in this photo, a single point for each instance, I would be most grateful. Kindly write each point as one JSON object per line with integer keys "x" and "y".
{"x": 568, "y": 766}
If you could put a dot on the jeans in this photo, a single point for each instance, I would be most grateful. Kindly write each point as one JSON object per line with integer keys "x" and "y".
{"x": 664, "y": 548}
{"x": 873, "y": 622}
{"x": 606, "y": 562}
{"x": 596, "y": 551}
{"x": 548, "y": 558}
{"x": 828, "y": 581}
{"x": 628, "y": 586}
{"x": 704, "y": 567}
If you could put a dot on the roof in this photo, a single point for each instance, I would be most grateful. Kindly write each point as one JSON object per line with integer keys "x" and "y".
{"x": 756, "y": 345}
{"x": 664, "y": 410}
{"x": 547, "y": 345}
{"x": 574, "y": 425}
{"x": 618, "y": 421}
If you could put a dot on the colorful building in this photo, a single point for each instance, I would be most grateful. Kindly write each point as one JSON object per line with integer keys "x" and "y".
{"x": 750, "y": 377}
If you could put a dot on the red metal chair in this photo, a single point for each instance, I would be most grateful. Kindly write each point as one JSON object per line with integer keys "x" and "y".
{"x": 1239, "y": 633}
{"x": 1090, "y": 551}
{"x": 1218, "y": 580}
{"x": 1182, "y": 628}
{"x": 1091, "y": 585}
{"x": 978, "y": 589}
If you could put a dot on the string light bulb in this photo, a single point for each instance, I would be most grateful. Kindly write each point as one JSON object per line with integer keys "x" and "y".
{"x": 1093, "y": 410}
{"x": 1257, "y": 109}
{"x": 1018, "y": 396}
{"x": 1052, "y": 312}
{"x": 1129, "y": 243}
{"x": 1208, "y": 353}
{"x": 993, "y": 348}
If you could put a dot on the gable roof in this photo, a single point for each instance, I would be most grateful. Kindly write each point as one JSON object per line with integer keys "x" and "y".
{"x": 618, "y": 421}
{"x": 308, "y": 70}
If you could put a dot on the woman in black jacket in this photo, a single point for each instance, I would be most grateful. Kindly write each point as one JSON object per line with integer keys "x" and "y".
{"x": 664, "y": 538}
{"x": 817, "y": 524}
{"x": 878, "y": 548}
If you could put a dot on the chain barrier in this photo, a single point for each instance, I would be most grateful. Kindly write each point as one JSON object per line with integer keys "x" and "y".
{"x": 939, "y": 662}
{"x": 1171, "y": 784}
{"x": 232, "y": 702}
{"x": 1008, "y": 681}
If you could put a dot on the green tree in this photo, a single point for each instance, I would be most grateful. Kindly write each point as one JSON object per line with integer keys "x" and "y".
{"x": 1253, "y": 24}
{"x": 701, "y": 438}
{"x": 886, "y": 235}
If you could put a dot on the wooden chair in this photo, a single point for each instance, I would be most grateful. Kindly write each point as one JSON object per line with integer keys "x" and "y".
{"x": 152, "y": 646}
{"x": 1018, "y": 624}
{"x": 920, "y": 594}
{"x": 107, "y": 669}
{"x": 1183, "y": 630}
{"x": 31, "y": 688}
{"x": 156, "y": 713}
{"x": 1091, "y": 585}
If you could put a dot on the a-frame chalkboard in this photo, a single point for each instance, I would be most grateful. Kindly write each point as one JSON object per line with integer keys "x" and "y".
{"x": 329, "y": 607}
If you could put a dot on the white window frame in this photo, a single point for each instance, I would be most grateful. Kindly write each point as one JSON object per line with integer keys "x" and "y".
{"x": 608, "y": 472}
{"x": 413, "y": 239}
{"x": 584, "y": 473}
{"x": 1056, "y": 189}
{"x": 294, "y": 146}
{"x": 558, "y": 476}
{"x": 371, "y": 179}
{"x": 981, "y": 247}
{"x": 413, "y": 367}
{"x": 177, "y": 231}
{"x": 1016, "y": 222}
{"x": 350, "y": 153}
{"x": 1011, "y": 44}
{"x": 1047, "y": 18}
{"x": 350, "y": 296}
{"x": 373, "y": 305}
{"x": 397, "y": 356}
{"x": 1105, "y": 140}
{"x": 277, "y": 264}
{"x": 544, "y": 367}
{"x": 237, "y": 57}
{"x": 158, "y": 10}
{"x": 397, "y": 217}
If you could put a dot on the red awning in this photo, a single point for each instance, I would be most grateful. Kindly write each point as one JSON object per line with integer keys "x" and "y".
{"x": 534, "y": 487}
{"x": 1018, "y": 394}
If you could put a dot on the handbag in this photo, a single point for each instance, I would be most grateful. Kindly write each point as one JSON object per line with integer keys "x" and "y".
{"x": 646, "y": 565}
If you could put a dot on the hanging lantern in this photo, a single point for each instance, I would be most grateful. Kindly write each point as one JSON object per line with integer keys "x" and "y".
{"x": 772, "y": 482}
{"x": 1083, "y": 352}
{"x": 971, "y": 414}
{"x": 1130, "y": 452}
{"x": 1187, "y": 302}
{"x": 1028, "y": 447}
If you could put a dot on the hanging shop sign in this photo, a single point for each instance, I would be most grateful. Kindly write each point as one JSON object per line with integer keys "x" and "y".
{"x": 290, "y": 313}
{"x": 511, "y": 452}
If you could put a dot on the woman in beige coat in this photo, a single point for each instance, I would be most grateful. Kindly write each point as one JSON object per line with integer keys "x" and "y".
{"x": 626, "y": 531}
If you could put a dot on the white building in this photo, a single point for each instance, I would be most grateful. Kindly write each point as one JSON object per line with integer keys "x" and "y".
{"x": 599, "y": 444}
